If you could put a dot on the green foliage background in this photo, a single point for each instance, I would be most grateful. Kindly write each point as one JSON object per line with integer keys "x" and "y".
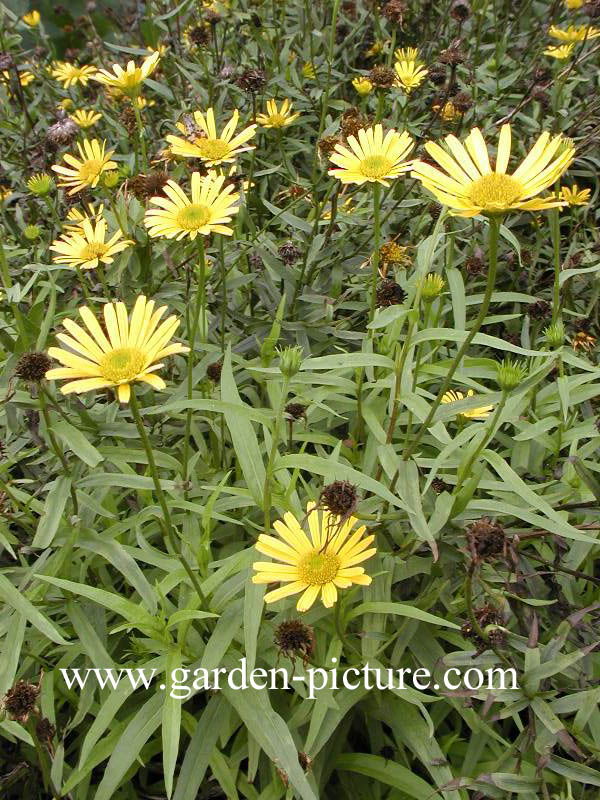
{"x": 100, "y": 588}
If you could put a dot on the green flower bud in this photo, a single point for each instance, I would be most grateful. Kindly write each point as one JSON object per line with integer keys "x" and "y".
{"x": 555, "y": 335}
{"x": 32, "y": 232}
{"x": 432, "y": 287}
{"x": 111, "y": 179}
{"x": 290, "y": 360}
{"x": 510, "y": 374}
{"x": 41, "y": 184}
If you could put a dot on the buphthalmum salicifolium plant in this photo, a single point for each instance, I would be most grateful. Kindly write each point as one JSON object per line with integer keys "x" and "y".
{"x": 299, "y": 317}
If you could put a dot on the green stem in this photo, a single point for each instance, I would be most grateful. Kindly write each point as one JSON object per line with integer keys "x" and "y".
{"x": 58, "y": 452}
{"x": 463, "y": 473}
{"x": 494, "y": 228}
{"x": 273, "y": 453}
{"x": 162, "y": 500}
{"x": 375, "y": 258}
{"x": 198, "y": 311}
{"x": 555, "y": 232}
{"x": 138, "y": 119}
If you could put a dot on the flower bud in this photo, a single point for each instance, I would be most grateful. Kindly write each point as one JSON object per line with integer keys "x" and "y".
{"x": 432, "y": 287}
{"x": 41, "y": 184}
{"x": 290, "y": 360}
{"x": 510, "y": 374}
{"x": 555, "y": 335}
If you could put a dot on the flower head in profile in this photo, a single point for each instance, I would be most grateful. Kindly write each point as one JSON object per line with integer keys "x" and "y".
{"x": 560, "y": 52}
{"x": 70, "y": 74}
{"x": 128, "y": 80}
{"x": 480, "y": 413}
{"x": 86, "y": 170}
{"x": 87, "y": 247}
{"x": 209, "y": 208}
{"x": 362, "y": 85}
{"x": 32, "y": 18}
{"x": 85, "y": 118}
{"x": 371, "y": 157}
{"x": 574, "y": 196}
{"x": 321, "y": 563}
{"x": 129, "y": 351}
{"x": 469, "y": 185}
{"x": 409, "y": 75}
{"x": 277, "y": 118}
{"x": 76, "y": 218}
{"x": 202, "y": 140}
{"x": 406, "y": 54}
{"x": 574, "y": 33}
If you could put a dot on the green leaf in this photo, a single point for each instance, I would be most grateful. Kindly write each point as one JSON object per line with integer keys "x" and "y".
{"x": 402, "y": 610}
{"x": 171, "y": 722}
{"x": 54, "y": 507}
{"x": 200, "y": 749}
{"x": 20, "y": 603}
{"x": 386, "y": 771}
{"x": 77, "y": 442}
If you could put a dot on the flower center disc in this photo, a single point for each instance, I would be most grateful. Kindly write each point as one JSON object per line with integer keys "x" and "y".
{"x": 122, "y": 365}
{"x": 193, "y": 217}
{"x": 94, "y": 250}
{"x": 277, "y": 120}
{"x": 495, "y": 192}
{"x": 375, "y": 166}
{"x": 90, "y": 169}
{"x": 318, "y": 568}
{"x": 213, "y": 149}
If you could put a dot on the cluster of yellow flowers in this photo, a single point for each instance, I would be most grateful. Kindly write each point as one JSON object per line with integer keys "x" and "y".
{"x": 569, "y": 37}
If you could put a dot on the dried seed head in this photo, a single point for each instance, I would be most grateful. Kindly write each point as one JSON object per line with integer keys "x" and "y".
{"x": 63, "y": 131}
{"x": 539, "y": 94}
{"x": 255, "y": 261}
{"x": 486, "y": 539}
{"x": 327, "y": 145}
{"x": 32, "y": 367}
{"x": 462, "y": 101}
{"x": 252, "y": 80}
{"x": 199, "y": 35}
{"x": 304, "y": 760}
{"x": 437, "y": 74}
{"x": 213, "y": 371}
{"x": 541, "y": 309}
{"x": 438, "y": 485}
{"x": 382, "y": 77}
{"x": 395, "y": 11}
{"x": 453, "y": 55}
{"x": 476, "y": 264}
{"x": 583, "y": 341}
{"x": 128, "y": 119}
{"x": 6, "y": 61}
{"x": 20, "y": 701}
{"x": 289, "y": 253}
{"x": 434, "y": 209}
{"x": 295, "y": 639}
{"x": 389, "y": 293}
{"x": 296, "y": 411}
{"x": 340, "y": 498}
{"x": 146, "y": 186}
{"x": 45, "y": 731}
{"x": 460, "y": 10}
{"x": 352, "y": 121}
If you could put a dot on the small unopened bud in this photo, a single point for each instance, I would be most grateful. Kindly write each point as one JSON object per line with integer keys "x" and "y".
{"x": 290, "y": 360}
{"x": 31, "y": 233}
{"x": 555, "y": 335}
{"x": 510, "y": 374}
{"x": 41, "y": 184}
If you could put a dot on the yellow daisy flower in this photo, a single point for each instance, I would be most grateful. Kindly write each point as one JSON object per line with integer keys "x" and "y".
{"x": 86, "y": 247}
{"x": 275, "y": 118}
{"x": 5, "y": 193}
{"x": 76, "y": 218}
{"x": 574, "y": 34}
{"x": 66, "y": 103}
{"x": 142, "y": 103}
{"x": 210, "y": 207}
{"x": 561, "y": 52}
{"x": 308, "y": 71}
{"x": 362, "y": 85}
{"x": 25, "y": 77}
{"x": 321, "y": 564}
{"x": 32, "y": 18}
{"x": 574, "y": 196}
{"x": 406, "y": 54}
{"x": 475, "y": 413}
{"x": 85, "y": 118}
{"x": 127, "y": 353}
{"x": 87, "y": 171}
{"x": 573, "y": 4}
{"x": 372, "y": 158}
{"x": 161, "y": 49}
{"x": 410, "y": 75}
{"x": 202, "y": 140}
{"x": 469, "y": 186}
{"x": 130, "y": 79}
{"x": 70, "y": 75}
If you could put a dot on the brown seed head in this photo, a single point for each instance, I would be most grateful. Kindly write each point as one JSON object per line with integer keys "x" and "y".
{"x": 486, "y": 539}
{"x": 295, "y": 639}
{"x": 20, "y": 701}
{"x": 382, "y": 77}
{"x": 389, "y": 293}
{"x": 340, "y": 498}
{"x": 32, "y": 367}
